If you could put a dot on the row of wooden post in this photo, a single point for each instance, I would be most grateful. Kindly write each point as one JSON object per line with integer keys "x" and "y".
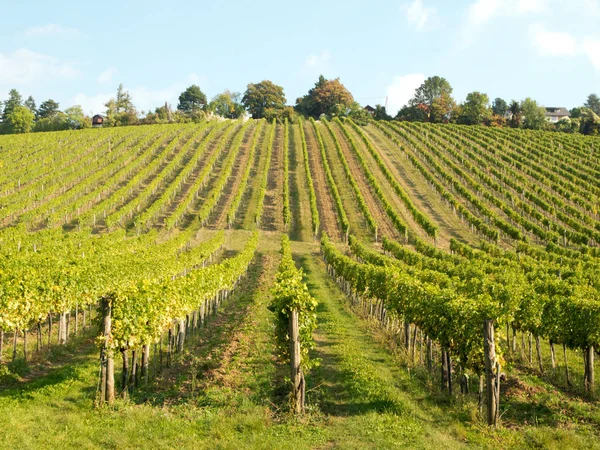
{"x": 175, "y": 343}
{"x": 375, "y": 308}
{"x": 63, "y": 332}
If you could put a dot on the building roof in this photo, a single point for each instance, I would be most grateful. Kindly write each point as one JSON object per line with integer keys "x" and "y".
{"x": 557, "y": 112}
{"x": 369, "y": 108}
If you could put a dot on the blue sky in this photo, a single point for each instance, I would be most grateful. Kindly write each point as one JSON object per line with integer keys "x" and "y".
{"x": 78, "y": 52}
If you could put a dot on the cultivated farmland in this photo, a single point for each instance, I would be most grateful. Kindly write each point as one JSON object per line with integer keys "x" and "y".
{"x": 456, "y": 272}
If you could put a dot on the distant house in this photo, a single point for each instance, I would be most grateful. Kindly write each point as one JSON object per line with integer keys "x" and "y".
{"x": 370, "y": 109}
{"x": 97, "y": 121}
{"x": 554, "y": 115}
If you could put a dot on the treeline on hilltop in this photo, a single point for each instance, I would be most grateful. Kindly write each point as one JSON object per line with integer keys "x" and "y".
{"x": 431, "y": 102}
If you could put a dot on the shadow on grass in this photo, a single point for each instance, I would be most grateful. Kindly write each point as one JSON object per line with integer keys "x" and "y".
{"x": 20, "y": 380}
{"x": 196, "y": 368}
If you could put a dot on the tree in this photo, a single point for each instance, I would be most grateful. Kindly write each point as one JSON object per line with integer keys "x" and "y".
{"x": 14, "y": 100}
{"x": 475, "y": 110}
{"x": 435, "y": 94}
{"x": 227, "y": 104}
{"x": 120, "y": 111}
{"x": 75, "y": 118}
{"x": 416, "y": 113}
{"x": 30, "y": 103}
{"x": 534, "y": 116}
{"x": 306, "y": 105}
{"x": 380, "y": 113}
{"x": 575, "y": 113}
{"x": 191, "y": 100}
{"x": 19, "y": 120}
{"x": 329, "y": 97}
{"x": 261, "y": 96}
{"x": 123, "y": 102}
{"x": 441, "y": 108}
{"x": 49, "y": 108}
{"x": 499, "y": 107}
{"x": 56, "y": 122}
{"x": 567, "y": 125}
{"x": 280, "y": 114}
{"x": 590, "y": 122}
{"x": 593, "y": 102}
{"x": 515, "y": 114}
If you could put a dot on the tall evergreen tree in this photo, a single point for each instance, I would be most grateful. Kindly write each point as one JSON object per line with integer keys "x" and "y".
{"x": 48, "y": 108}
{"x": 593, "y": 102}
{"x": 191, "y": 100}
{"x": 30, "y": 103}
{"x": 14, "y": 100}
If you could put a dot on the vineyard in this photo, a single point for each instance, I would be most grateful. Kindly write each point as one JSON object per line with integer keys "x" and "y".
{"x": 441, "y": 283}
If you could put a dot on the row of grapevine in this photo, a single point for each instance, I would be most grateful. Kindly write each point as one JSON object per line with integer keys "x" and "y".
{"x": 264, "y": 176}
{"x": 387, "y": 206}
{"x": 136, "y": 315}
{"x": 422, "y": 220}
{"x": 237, "y": 200}
{"x": 331, "y": 182}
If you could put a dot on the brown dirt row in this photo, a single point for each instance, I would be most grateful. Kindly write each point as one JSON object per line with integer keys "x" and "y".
{"x": 64, "y": 192}
{"x": 300, "y": 226}
{"x": 388, "y": 190}
{"x": 245, "y": 216}
{"x": 358, "y": 224}
{"x": 185, "y": 190}
{"x": 327, "y": 211}
{"x": 386, "y": 227}
{"x": 219, "y": 214}
{"x": 212, "y": 177}
{"x": 273, "y": 212}
{"x": 462, "y": 200}
{"x": 134, "y": 193}
{"x": 424, "y": 197}
{"x": 451, "y": 140}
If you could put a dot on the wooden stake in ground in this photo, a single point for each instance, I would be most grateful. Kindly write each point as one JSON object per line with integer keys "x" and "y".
{"x": 492, "y": 373}
{"x": 107, "y": 362}
{"x": 145, "y": 363}
{"x": 297, "y": 376}
{"x": 566, "y": 364}
{"x": 125, "y": 372}
{"x": 62, "y": 329}
{"x": 588, "y": 358}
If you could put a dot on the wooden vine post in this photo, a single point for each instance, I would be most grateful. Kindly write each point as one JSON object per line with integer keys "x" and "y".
{"x": 107, "y": 362}
{"x": 588, "y": 359}
{"x": 492, "y": 373}
{"x": 297, "y": 375}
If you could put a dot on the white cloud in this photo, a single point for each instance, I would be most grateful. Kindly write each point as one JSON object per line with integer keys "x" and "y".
{"x": 51, "y": 29}
{"x": 402, "y": 90}
{"x": 559, "y": 43}
{"x": 107, "y": 75}
{"x": 418, "y": 15}
{"x": 552, "y": 43}
{"x": 591, "y": 48}
{"x": 482, "y": 11}
{"x": 25, "y": 67}
{"x": 317, "y": 61}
